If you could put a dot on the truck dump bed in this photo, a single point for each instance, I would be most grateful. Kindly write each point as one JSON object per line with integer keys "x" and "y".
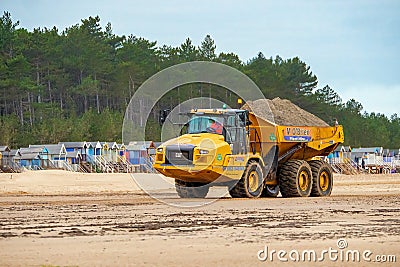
{"x": 293, "y": 142}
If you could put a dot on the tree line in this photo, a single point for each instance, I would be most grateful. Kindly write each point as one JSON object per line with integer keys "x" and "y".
{"x": 75, "y": 84}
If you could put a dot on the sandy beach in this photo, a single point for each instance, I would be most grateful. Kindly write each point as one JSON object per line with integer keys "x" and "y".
{"x": 57, "y": 218}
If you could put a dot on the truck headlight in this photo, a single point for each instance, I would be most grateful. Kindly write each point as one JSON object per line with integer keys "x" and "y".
{"x": 203, "y": 152}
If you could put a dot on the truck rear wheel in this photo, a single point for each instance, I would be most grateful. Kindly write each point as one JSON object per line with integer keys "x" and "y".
{"x": 251, "y": 183}
{"x": 295, "y": 179}
{"x": 322, "y": 179}
{"x": 270, "y": 191}
{"x": 191, "y": 190}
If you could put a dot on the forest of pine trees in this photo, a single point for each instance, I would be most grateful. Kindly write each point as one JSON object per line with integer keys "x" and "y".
{"x": 75, "y": 84}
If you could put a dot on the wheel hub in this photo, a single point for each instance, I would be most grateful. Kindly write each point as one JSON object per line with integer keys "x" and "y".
{"x": 303, "y": 180}
{"x": 253, "y": 181}
{"x": 324, "y": 181}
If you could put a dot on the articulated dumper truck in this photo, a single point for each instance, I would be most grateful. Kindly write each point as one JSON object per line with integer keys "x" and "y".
{"x": 252, "y": 156}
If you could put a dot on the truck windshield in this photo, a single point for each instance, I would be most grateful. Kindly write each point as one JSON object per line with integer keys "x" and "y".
{"x": 205, "y": 124}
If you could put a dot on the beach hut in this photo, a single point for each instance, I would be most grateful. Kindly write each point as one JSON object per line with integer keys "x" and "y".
{"x": 372, "y": 156}
{"x": 30, "y": 161}
{"x": 114, "y": 151}
{"x": 95, "y": 148}
{"x": 4, "y": 149}
{"x": 396, "y": 159}
{"x": 80, "y": 147}
{"x": 4, "y": 154}
{"x": 391, "y": 158}
{"x": 109, "y": 150}
{"x": 388, "y": 156}
{"x": 336, "y": 155}
{"x": 122, "y": 151}
{"x": 57, "y": 152}
{"x": 52, "y": 156}
{"x": 52, "y": 152}
{"x": 139, "y": 154}
{"x": 30, "y": 158}
{"x": 347, "y": 153}
{"x": 371, "y": 159}
{"x": 342, "y": 154}
{"x": 7, "y": 163}
{"x": 74, "y": 158}
{"x": 41, "y": 149}
{"x": 138, "y": 150}
{"x": 13, "y": 153}
{"x": 99, "y": 154}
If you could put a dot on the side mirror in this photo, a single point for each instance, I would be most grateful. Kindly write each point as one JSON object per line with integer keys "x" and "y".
{"x": 184, "y": 129}
{"x": 244, "y": 117}
{"x": 163, "y": 116}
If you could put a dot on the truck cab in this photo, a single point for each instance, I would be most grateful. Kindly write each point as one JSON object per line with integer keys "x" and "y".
{"x": 231, "y": 124}
{"x": 208, "y": 140}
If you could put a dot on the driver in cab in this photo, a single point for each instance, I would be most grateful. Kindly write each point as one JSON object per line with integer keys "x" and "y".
{"x": 215, "y": 127}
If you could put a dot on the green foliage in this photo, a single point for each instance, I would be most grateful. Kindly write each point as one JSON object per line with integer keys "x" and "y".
{"x": 76, "y": 84}
{"x": 394, "y": 131}
{"x": 7, "y": 34}
{"x": 329, "y": 96}
{"x": 9, "y": 126}
{"x": 207, "y": 49}
{"x": 188, "y": 52}
{"x": 230, "y": 59}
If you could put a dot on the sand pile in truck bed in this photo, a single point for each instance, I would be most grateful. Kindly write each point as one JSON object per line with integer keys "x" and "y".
{"x": 284, "y": 112}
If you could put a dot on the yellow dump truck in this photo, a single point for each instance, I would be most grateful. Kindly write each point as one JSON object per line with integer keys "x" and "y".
{"x": 252, "y": 156}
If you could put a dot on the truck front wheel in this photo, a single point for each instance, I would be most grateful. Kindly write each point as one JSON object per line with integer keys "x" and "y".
{"x": 295, "y": 179}
{"x": 251, "y": 183}
{"x": 191, "y": 190}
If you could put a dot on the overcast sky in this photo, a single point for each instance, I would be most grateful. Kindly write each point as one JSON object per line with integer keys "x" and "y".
{"x": 354, "y": 46}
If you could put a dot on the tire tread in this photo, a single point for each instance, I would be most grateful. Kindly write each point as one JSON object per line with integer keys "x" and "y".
{"x": 288, "y": 178}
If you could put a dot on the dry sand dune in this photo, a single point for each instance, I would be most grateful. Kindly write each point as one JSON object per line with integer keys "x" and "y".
{"x": 73, "y": 219}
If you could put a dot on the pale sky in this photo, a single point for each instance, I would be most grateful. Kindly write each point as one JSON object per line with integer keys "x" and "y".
{"x": 354, "y": 46}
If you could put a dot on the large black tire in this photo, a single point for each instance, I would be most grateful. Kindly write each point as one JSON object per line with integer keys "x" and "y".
{"x": 295, "y": 179}
{"x": 191, "y": 190}
{"x": 322, "y": 178}
{"x": 270, "y": 191}
{"x": 251, "y": 183}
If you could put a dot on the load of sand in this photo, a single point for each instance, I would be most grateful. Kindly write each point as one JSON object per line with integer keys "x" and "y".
{"x": 283, "y": 112}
